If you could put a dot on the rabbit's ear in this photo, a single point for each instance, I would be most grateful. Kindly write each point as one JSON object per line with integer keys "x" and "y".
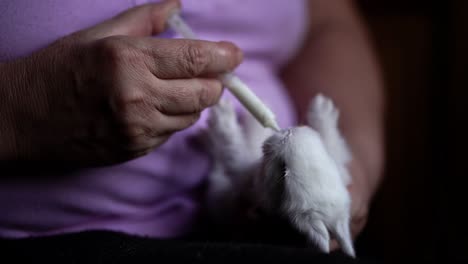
{"x": 316, "y": 231}
{"x": 341, "y": 233}
{"x": 318, "y": 234}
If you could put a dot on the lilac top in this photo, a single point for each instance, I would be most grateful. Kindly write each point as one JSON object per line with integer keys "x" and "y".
{"x": 155, "y": 195}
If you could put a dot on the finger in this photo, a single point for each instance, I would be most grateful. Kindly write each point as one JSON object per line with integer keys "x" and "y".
{"x": 184, "y": 58}
{"x": 163, "y": 127}
{"x": 178, "y": 97}
{"x": 145, "y": 146}
{"x": 144, "y": 20}
{"x": 171, "y": 124}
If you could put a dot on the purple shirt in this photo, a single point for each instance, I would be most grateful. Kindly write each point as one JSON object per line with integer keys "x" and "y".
{"x": 155, "y": 195}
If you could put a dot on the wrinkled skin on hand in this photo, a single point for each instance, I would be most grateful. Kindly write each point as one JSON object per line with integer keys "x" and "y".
{"x": 111, "y": 92}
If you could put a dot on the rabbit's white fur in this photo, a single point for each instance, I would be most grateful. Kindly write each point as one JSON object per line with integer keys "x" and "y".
{"x": 299, "y": 172}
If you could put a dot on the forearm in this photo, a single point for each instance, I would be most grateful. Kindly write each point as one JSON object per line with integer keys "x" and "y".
{"x": 337, "y": 60}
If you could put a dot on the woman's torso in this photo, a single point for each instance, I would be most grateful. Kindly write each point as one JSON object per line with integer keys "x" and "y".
{"x": 155, "y": 195}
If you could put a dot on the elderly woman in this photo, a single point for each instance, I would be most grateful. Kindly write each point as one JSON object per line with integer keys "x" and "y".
{"x": 99, "y": 104}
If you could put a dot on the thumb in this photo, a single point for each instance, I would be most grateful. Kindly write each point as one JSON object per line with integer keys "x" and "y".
{"x": 140, "y": 21}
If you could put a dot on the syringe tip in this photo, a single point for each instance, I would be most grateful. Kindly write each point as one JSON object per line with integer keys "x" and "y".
{"x": 271, "y": 123}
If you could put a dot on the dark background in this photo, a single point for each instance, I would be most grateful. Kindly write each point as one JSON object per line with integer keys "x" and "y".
{"x": 419, "y": 210}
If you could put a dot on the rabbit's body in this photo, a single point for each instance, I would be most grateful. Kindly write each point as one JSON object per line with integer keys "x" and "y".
{"x": 299, "y": 172}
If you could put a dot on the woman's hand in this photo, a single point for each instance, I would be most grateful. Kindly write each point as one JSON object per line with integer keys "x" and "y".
{"x": 109, "y": 93}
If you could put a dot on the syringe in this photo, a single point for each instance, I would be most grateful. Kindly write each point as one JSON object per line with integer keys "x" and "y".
{"x": 237, "y": 87}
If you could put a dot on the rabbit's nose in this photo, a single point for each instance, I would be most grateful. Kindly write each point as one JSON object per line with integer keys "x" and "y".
{"x": 285, "y": 134}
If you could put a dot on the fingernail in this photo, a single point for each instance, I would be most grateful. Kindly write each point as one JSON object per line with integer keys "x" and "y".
{"x": 229, "y": 47}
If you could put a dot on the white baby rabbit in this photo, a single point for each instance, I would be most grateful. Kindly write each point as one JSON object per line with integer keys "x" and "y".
{"x": 299, "y": 172}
